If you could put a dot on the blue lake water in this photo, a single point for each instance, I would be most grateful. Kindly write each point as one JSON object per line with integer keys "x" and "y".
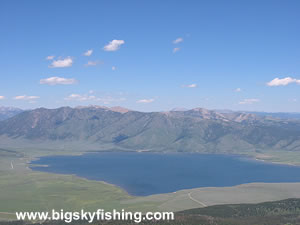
{"x": 143, "y": 174}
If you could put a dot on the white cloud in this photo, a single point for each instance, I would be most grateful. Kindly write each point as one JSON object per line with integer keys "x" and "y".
{"x": 114, "y": 45}
{"x": 145, "y": 100}
{"x": 249, "y": 101}
{"x": 175, "y": 50}
{"x": 93, "y": 63}
{"x": 25, "y": 97}
{"x": 190, "y": 86}
{"x": 78, "y": 97}
{"x": 238, "y": 90}
{"x": 88, "y": 52}
{"x": 2, "y": 97}
{"x": 50, "y": 57}
{"x": 283, "y": 81}
{"x": 66, "y": 62}
{"x": 178, "y": 40}
{"x": 57, "y": 80}
{"x": 113, "y": 68}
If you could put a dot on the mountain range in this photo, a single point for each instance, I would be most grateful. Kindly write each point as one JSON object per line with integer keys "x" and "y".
{"x": 196, "y": 130}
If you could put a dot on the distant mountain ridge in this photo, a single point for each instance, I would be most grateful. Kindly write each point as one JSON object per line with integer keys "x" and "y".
{"x": 196, "y": 130}
{"x": 7, "y": 112}
{"x": 279, "y": 115}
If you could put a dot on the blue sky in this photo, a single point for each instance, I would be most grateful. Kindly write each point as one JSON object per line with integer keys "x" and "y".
{"x": 151, "y": 55}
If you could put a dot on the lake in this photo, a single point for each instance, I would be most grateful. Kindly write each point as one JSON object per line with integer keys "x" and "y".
{"x": 142, "y": 174}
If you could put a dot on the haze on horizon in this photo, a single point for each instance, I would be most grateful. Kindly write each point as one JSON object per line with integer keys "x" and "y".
{"x": 151, "y": 55}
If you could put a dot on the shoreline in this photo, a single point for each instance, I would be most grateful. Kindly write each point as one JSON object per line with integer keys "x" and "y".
{"x": 264, "y": 158}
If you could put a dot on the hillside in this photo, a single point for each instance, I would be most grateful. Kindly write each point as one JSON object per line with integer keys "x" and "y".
{"x": 196, "y": 130}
